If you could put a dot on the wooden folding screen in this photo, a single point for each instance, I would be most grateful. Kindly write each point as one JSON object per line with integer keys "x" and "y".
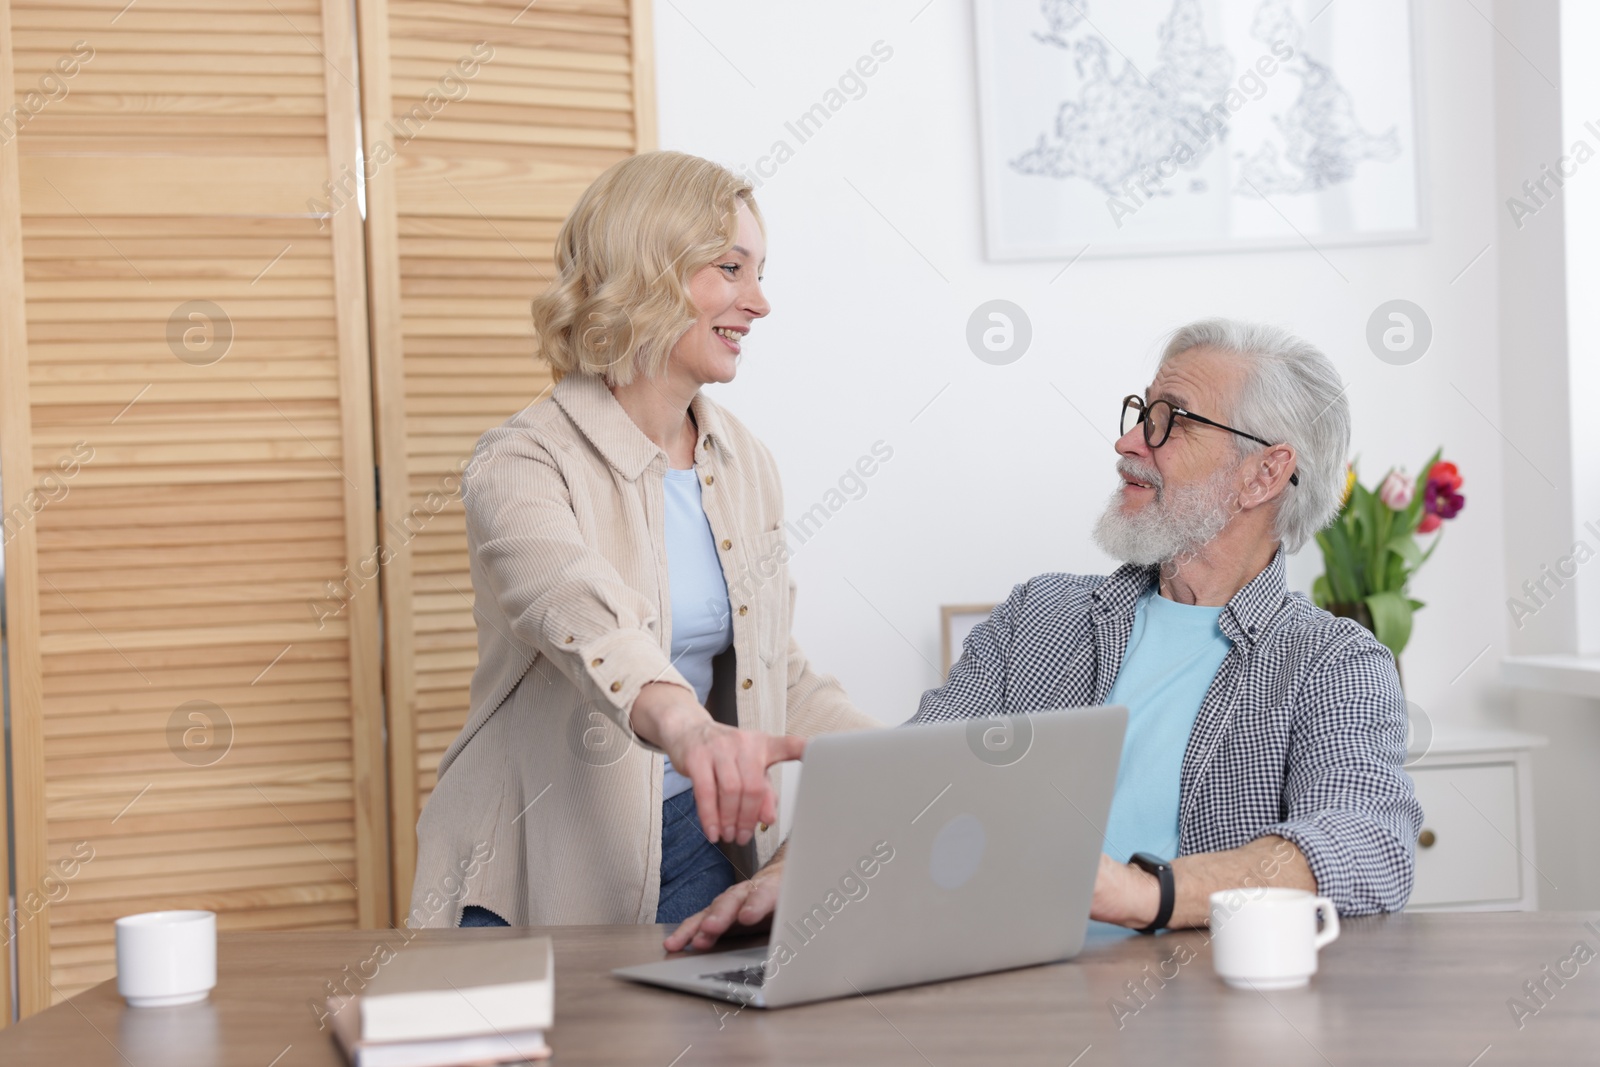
{"x": 15, "y": 470}
{"x": 189, "y": 485}
{"x": 187, "y": 438}
{"x": 484, "y": 121}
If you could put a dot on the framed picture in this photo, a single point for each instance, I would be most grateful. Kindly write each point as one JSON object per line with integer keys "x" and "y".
{"x": 954, "y": 622}
{"x": 1197, "y": 125}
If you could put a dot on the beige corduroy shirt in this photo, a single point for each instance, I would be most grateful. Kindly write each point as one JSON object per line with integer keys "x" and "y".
{"x": 547, "y": 809}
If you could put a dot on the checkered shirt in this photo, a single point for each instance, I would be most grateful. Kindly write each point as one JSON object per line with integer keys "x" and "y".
{"x": 1302, "y": 733}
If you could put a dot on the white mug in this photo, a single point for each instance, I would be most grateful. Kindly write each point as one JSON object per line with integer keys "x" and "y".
{"x": 166, "y": 957}
{"x": 1268, "y": 937}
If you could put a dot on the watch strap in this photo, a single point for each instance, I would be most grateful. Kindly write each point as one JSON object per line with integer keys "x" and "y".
{"x": 1162, "y": 869}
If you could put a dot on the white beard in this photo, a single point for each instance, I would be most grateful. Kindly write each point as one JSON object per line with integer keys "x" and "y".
{"x": 1179, "y": 522}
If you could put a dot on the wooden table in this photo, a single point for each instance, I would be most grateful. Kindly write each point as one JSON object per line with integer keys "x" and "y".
{"x": 1401, "y": 989}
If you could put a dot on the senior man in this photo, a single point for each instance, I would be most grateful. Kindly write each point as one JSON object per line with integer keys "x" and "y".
{"x": 1265, "y": 737}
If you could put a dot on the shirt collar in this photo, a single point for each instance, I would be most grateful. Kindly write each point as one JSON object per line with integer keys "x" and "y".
{"x": 602, "y": 420}
{"x": 1247, "y": 616}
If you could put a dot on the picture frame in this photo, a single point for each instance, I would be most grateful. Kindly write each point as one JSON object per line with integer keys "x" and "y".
{"x": 955, "y": 622}
{"x": 1083, "y": 156}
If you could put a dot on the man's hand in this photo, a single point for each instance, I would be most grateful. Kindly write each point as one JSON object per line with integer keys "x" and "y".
{"x": 1125, "y": 895}
{"x": 744, "y": 903}
{"x": 727, "y": 765}
{"x": 1130, "y": 896}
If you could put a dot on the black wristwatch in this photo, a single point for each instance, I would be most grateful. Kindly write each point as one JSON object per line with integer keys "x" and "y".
{"x": 1163, "y": 872}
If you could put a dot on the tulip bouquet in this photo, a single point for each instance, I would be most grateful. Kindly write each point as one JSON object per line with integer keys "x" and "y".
{"x": 1370, "y": 551}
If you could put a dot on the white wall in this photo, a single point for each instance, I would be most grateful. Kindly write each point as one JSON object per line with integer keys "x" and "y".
{"x": 1000, "y": 477}
{"x": 1545, "y": 301}
{"x": 1580, "y": 139}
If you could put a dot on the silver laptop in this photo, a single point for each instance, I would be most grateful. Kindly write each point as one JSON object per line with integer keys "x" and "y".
{"x": 926, "y": 853}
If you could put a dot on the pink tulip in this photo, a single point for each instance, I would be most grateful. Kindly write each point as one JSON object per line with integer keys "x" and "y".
{"x": 1396, "y": 490}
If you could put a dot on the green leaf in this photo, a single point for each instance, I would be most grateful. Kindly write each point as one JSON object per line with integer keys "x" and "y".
{"x": 1394, "y": 575}
{"x": 1360, "y": 514}
{"x": 1342, "y": 570}
{"x": 1383, "y": 520}
{"x": 1368, "y": 540}
{"x": 1404, "y": 545}
{"x": 1391, "y": 620}
{"x": 1416, "y": 605}
{"x": 1320, "y": 594}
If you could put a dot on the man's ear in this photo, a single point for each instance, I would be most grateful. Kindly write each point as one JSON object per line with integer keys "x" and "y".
{"x": 1267, "y": 475}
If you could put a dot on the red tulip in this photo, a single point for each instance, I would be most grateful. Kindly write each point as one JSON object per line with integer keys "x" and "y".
{"x": 1441, "y": 497}
{"x": 1445, "y": 474}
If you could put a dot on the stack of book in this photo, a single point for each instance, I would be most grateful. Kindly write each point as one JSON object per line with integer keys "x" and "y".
{"x": 482, "y": 1001}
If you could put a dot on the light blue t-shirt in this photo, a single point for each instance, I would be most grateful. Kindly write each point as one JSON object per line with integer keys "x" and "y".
{"x": 702, "y": 624}
{"x": 1172, "y": 656}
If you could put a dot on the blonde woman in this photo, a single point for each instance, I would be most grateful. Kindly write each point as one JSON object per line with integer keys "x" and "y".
{"x": 629, "y": 568}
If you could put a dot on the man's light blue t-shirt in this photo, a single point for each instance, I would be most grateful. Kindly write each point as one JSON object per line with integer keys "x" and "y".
{"x": 1173, "y": 654}
{"x": 702, "y": 626}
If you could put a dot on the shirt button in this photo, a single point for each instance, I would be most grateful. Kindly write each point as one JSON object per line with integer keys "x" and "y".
{"x": 596, "y": 662}
{"x": 616, "y": 687}
{"x": 743, "y": 609}
{"x": 726, "y": 543}
{"x": 707, "y": 442}
{"x": 746, "y": 684}
{"x": 571, "y": 639}
{"x": 710, "y": 478}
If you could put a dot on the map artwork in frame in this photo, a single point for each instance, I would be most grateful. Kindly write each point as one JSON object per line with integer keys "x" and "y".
{"x": 1197, "y": 125}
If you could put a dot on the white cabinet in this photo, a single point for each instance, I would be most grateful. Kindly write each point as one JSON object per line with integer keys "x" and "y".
{"x": 1476, "y": 848}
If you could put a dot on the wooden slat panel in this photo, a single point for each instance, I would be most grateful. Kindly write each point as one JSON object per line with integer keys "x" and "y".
{"x": 196, "y": 695}
{"x": 494, "y": 188}
{"x": 460, "y": 227}
{"x": 17, "y": 537}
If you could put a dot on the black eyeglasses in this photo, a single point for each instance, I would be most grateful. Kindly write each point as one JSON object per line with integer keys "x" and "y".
{"x": 1158, "y": 416}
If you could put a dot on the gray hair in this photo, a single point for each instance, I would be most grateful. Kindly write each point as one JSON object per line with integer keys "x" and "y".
{"x": 1292, "y": 393}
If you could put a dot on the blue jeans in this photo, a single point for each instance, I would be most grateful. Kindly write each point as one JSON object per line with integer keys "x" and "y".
{"x": 473, "y": 915}
{"x": 693, "y": 870}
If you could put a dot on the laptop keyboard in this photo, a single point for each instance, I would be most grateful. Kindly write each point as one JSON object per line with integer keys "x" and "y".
{"x": 750, "y": 977}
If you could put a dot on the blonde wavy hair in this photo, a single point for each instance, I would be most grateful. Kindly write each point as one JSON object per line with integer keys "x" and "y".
{"x": 624, "y": 258}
